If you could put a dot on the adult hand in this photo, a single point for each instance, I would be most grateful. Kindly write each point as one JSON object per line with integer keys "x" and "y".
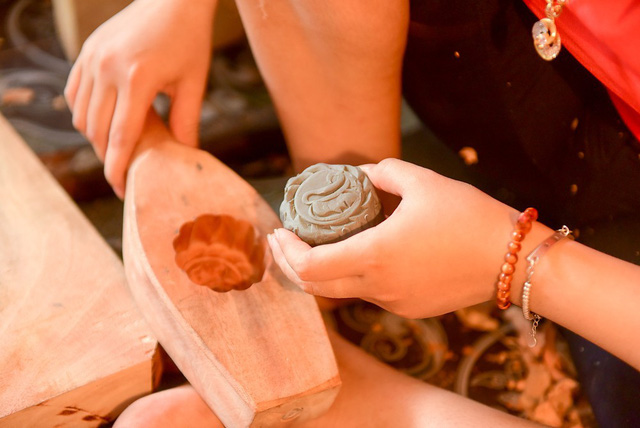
{"x": 440, "y": 250}
{"x": 151, "y": 46}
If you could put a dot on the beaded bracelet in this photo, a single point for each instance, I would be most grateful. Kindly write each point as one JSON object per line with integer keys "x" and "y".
{"x": 532, "y": 259}
{"x": 523, "y": 226}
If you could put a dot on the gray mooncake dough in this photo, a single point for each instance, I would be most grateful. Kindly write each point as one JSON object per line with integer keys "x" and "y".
{"x": 326, "y": 203}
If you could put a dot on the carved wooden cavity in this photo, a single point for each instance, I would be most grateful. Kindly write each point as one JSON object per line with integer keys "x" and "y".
{"x": 220, "y": 252}
{"x": 327, "y": 203}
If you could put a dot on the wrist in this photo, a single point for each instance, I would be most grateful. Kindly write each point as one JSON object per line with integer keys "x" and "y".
{"x": 195, "y": 7}
{"x": 539, "y": 232}
{"x": 502, "y": 254}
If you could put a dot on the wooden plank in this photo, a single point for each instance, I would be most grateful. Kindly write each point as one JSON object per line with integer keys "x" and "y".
{"x": 74, "y": 348}
{"x": 259, "y": 356}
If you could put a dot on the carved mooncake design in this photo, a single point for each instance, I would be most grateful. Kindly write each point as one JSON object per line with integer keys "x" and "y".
{"x": 220, "y": 252}
{"x": 327, "y": 203}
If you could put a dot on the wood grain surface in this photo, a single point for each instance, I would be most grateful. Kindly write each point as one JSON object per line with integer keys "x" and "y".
{"x": 259, "y": 356}
{"x": 74, "y": 349}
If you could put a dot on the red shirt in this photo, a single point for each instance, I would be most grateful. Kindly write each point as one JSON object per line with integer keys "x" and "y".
{"x": 604, "y": 36}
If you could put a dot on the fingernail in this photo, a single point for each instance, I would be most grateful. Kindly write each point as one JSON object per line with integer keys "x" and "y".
{"x": 304, "y": 288}
{"x": 119, "y": 192}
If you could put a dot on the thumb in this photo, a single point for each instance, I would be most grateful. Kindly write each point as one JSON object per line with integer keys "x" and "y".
{"x": 392, "y": 179}
{"x": 391, "y": 175}
{"x": 184, "y": 117}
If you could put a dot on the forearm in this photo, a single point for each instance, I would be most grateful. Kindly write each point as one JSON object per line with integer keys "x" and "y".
{"x": 200, "y": 9}
{"x": 333, "y": 70}
{"x": 590, "y": 293}
{"x": 205, "y": 6}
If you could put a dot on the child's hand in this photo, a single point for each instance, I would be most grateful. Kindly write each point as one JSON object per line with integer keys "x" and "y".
{"x": 439, "y": 251}
{"x": 151, "y": 46}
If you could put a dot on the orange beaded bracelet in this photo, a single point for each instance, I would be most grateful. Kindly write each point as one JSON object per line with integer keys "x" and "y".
{"x": 523, "y": 226}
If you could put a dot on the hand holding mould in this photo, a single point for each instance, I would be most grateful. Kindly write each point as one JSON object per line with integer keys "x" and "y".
{"x": 444, "y": 239}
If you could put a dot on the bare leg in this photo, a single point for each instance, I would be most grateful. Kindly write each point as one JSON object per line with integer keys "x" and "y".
{"x": 179, "y": 407}
{"x": 372, "y": 395}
